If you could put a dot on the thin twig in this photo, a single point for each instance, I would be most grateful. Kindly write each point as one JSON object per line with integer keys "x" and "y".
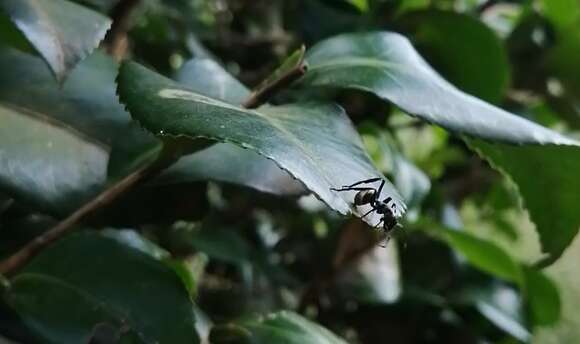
{"x": 116, "y": 39}
{"x": 17, "y": 260}
{"x": 264, "y": 92}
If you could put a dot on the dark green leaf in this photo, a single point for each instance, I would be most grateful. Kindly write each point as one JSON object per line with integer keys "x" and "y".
{"x": 41, "y": 300}
{"x": 87, "y": 279}
{"x": 282, "y": 327}
{"x": 387, "y": 65}
{"x": 314, "y": 142}
{"x": 226, "y": 162}
{"x": 61, "y": 31}
{"x": 454, "y": 44}
{"x": 46, "y": 163}
{"x": 543, "y": 296}
{"x": 57, "y": 140}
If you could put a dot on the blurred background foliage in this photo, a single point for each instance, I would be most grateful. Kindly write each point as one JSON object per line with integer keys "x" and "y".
{"x": 452, "y": 275}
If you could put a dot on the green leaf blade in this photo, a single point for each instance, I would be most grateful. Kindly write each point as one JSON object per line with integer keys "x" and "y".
{"x": 314, "y": 142}
{"x": 547, "y": 188}
{"x": 118, "y": 279}
{"x": 387, "y": 65}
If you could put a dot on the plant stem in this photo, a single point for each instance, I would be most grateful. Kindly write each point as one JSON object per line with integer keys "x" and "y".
{"x": 256, "y": 98}
{"x": 116, "y": 39}
{"x": 17, "y": 260}
{"x": 263, "y": 93}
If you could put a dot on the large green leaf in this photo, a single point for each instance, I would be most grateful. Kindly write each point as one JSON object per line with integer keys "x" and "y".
{"x": 56, "y": 140}
{"x": 61, "y": 31}
{"x": 454, "y": 43}
{"x": 282, "y": 327}
{"x": 314, "y": 142}
{"x": 46, "y": 163}
{"x": 226, "y": 162}
{"x": 84, "y": 313}
{"x": 87, "y": 279}
{"x": 387, "y": 65}
{"x": 548, "y": 187}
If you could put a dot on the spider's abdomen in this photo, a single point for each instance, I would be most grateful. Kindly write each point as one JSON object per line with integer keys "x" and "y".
{"x": 364, "y": 197}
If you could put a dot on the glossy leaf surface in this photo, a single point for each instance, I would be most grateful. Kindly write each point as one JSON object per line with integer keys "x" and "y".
{"x": 74, "y": 269}
{"x": 314, "y": 142}
{"x": 61, "y": 31}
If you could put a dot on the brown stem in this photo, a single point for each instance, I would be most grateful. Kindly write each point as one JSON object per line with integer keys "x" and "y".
{"x": 27, "y": 252}
{"x": 116, "y": 39}
{"x": 262, "y": 94}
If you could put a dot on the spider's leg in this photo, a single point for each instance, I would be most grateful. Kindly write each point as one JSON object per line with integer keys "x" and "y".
{"x": 368, "y": 212}
{"x": 366, "y": 181}
{"x": 348, "y": 188}
{"x": 378, "y": 194}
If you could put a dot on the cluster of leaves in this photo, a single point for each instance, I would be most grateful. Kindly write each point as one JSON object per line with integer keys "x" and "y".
{"x": 203, "y": 211}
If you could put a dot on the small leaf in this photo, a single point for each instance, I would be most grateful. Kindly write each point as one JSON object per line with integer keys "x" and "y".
{"x": 282, "y": 327}
{"x": 89, "y": 279}
{"x": 61, "y": 31}
{"x": 387, "y": 65}
{"x": 485, "y": 256}
{"x": 314, "y": 142}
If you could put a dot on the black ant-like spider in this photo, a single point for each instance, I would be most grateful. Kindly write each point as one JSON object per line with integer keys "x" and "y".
{"x": 369, "y": 195}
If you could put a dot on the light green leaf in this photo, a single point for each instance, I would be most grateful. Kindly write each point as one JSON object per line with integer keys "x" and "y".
{"x": 539, "y": 291}
{"x": 314, "y": 142}
{"x": 548, "y": 189}
{"x": 61, "y": 31}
